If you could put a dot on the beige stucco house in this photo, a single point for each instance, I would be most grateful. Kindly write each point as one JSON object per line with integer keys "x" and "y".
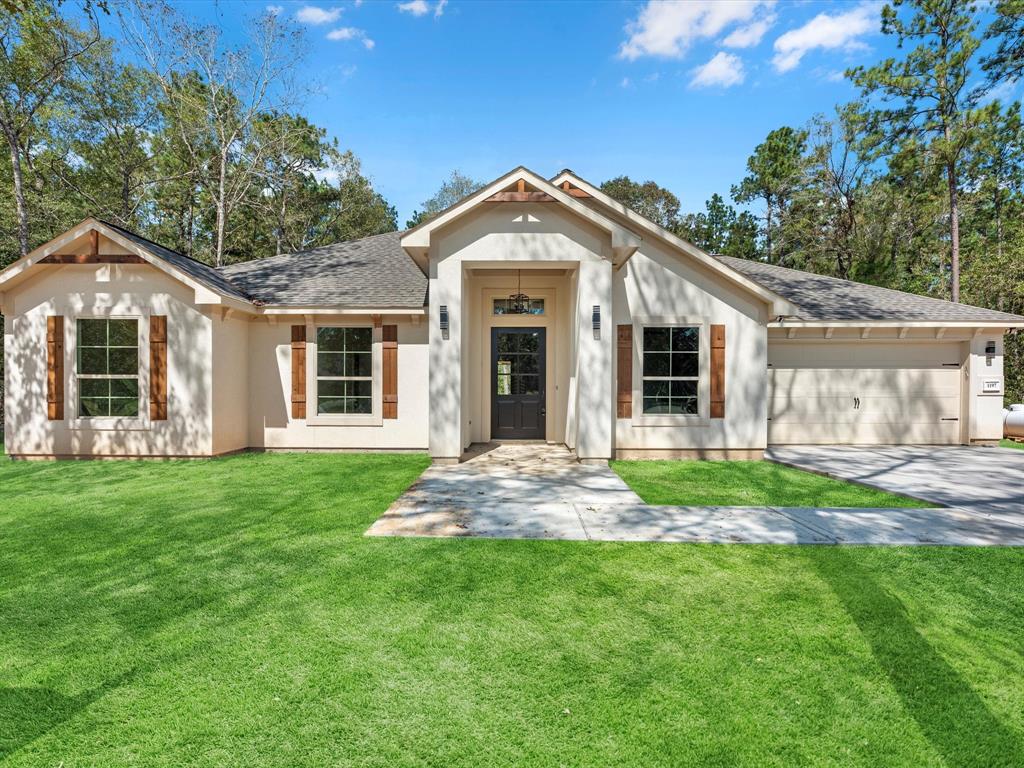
{"x": 534, "y": 309}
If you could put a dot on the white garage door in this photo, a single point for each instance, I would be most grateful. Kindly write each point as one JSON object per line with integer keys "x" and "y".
{"x": 863, "y": 393}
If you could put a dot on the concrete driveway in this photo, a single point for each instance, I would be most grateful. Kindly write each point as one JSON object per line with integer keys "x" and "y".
{"x": 989, "y": 481}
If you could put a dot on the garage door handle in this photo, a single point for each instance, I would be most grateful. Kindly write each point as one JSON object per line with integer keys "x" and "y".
{"x": 944, "y": 418}
{"x": 856, "y": 403}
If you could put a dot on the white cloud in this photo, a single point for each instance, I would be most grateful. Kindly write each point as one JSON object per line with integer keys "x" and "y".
{"x": 625, "y": 82}
{"x": 439, "y": 8}
{"x": 275, "y": 10}
{"x": 825, "y": 32}
{"x": 666, "y": 28}
{"x": 351, "y": 33}
{"x": 751, "y": 34}
{"x": 415, "y": 7}
{"x": 311, "y": 14}
{"x": 724, "y": 69}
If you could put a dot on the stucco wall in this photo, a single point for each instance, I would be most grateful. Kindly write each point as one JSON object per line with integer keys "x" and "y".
{"x": 271, "y": 424}
{"x": 658, "y": 286}
{"x": 76, "y": 291}
{"x": 230, "y": 383}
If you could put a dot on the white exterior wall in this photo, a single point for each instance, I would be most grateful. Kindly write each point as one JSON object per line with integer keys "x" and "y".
{"x": 656, "y": 286}
{"x": 985, "y": 387}
{"x": 103, "y": 290}
{"x": 271, "y": 425}
{"x": 230, "y": 383}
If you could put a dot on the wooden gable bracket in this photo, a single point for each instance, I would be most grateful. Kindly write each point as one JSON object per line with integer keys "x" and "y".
{"x": 93, "y": 256}
{"x": 573, "y": 191}
{"x": 520, "y": 197}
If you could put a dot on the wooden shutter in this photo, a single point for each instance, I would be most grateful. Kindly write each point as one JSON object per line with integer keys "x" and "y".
{"x": 717, "y": 371}
{"x": 158, "y": 367}
{"x": 390, "y": 347}
{"x": 55, "y": 368}
{"x": 624, "y": 373}
{"x": 298, "y": 371}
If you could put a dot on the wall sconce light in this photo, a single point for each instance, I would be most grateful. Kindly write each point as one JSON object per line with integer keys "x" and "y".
{"x": 595, "y": 319}
{"x": 444, "y": 321}
{"x": 990, "y": 353}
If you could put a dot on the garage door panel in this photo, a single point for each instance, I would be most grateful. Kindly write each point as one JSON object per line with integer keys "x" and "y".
{"x": 864, "y": 393}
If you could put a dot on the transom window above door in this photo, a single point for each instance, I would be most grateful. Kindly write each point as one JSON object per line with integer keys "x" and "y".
{"x": 344, "y": 370}
{"x": 508, "y": 307}
{"x": 107, "y": 358}
{"x": 670, "y": 370}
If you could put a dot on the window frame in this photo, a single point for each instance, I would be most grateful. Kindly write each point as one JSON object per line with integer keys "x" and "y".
{"x": 376, "y": 415}
{"x": 541, "y": 299}
{"x": 72, "y": 389}
{"x": 702, "y": 416}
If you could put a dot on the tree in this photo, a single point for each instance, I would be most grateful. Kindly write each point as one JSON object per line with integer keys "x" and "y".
{"x": 1007, "y": 62}
{"x": 996, "y": 163}
{"x": 242, "y": 86}
{"x": 774, "y": 172}
{"x": 712, "y": 230}
{"x": 648, "y": 199}
{"x": 454, "y": 189}
{"x": 38, "y": 50}
{"x": 931, "y": 90}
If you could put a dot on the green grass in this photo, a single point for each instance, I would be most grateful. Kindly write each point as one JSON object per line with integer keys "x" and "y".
{"x": 747, "y": 484}
{"x": 231, "y": 613}
{"x": 1011, "y": 444}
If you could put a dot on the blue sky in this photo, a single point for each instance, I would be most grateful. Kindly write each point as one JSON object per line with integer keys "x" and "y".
{"x": 675, "y": 92}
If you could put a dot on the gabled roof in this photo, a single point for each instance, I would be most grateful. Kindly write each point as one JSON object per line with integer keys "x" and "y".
{"x": 820, "y": 298}
{"x": 416, "y": 241}
{"x": 204, "y": 273}
{"x": 779, "y": 305}
{"x": 371, "y": 272}
{"x": 195, "y": 274}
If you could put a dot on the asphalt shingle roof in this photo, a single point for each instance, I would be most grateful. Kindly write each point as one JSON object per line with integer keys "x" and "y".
{"x": 371, "y": 272}
{"x": 821, "y": 298}
{"x": 204, "y": 273}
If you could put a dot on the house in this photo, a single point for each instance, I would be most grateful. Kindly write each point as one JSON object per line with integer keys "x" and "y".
{"x": 533, "y": 309}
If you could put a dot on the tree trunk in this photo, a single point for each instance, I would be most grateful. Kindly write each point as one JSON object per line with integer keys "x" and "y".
{"x": 218, "y": 256}
{"x": 768, "y": 227}
{"x": 954, "y": 232}
{"x": 19, "y": 191}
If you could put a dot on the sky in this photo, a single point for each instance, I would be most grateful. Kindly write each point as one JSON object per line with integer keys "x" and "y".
{"x": 676, "y": 92}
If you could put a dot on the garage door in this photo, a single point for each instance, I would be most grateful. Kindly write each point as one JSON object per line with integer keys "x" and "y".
{"x": 863, "y": 393}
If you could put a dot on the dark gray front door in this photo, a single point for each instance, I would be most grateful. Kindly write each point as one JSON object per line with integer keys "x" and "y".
{"x": 517, "y": 383}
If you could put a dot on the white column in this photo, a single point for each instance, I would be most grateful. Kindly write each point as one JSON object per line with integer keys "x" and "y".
{"x": 985, "y": 409}
{"x": 446, "y": 361}
{"x": 595, "y": 364}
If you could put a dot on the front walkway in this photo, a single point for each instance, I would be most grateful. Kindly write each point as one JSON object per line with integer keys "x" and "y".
{"x": 538, "y": 491}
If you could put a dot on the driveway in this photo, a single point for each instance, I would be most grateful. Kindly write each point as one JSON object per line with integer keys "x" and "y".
{"x": 989, "y": 481}
{"x": 538, "y": 491}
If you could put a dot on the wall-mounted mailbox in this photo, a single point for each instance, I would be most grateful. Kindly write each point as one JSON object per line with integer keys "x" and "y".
{"x": 992, "y": 386}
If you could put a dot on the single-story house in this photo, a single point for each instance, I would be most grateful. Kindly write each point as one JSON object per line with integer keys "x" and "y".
{"x": 535, "y": 308}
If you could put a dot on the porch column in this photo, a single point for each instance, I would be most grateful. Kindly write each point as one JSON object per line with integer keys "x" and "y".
{"x": 595, "y": 364}
{"x": 445, "y": 417}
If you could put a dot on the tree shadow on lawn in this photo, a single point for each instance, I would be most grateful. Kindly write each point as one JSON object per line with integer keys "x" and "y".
{"x": 949, "y": 712}
{"x": 28, "y": 713}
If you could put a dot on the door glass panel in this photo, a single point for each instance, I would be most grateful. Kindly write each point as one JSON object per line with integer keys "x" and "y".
{"x": 504, "y": 374}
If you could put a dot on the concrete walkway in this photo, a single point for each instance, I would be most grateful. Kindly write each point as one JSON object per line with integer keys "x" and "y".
{"x": 537, "y": 491}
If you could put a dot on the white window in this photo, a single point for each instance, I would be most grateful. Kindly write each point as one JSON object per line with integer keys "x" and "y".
{"x": 107, "y": 368}
{"x": 344, "y": 371}
{"x": 671, "y": 370}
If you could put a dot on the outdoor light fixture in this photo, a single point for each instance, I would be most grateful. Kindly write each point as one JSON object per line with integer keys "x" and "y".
{"x": 595, "y": 318}
{"x": 444, "y": 321}
{"x": 518, "y": 302}
{"x": 990, "y": 348}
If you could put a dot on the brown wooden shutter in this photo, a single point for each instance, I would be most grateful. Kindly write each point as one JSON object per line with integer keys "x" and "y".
{"x": 717, "y": 371}
{"x": 624, "y": 374}
{"x": 55, "y": 368}
{"x": 298, "y": 371}
{"x": 390, "y": 346}
{"x": 158, "y": 367}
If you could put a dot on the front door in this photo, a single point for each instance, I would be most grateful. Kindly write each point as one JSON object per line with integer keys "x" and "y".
{"x": 517, "y": 384}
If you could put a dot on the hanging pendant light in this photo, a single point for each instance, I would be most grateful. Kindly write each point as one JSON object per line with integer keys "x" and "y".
{"x": 519, "y": 302}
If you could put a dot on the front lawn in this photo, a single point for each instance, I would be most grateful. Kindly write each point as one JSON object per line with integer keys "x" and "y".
{"x": 747, "y": 484}
{"x": 231, "y": 613}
